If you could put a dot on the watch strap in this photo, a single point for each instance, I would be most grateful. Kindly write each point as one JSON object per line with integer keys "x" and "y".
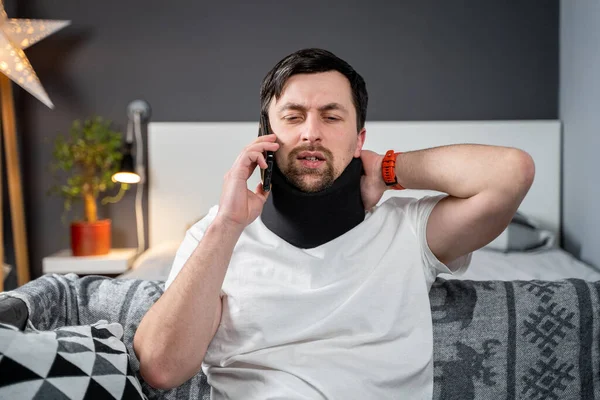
{"x": 388, "y": 170}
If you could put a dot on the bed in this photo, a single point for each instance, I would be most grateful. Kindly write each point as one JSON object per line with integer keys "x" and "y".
{"x": 187, "y": 161}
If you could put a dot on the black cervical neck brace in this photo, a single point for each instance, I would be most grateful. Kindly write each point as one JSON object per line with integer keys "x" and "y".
{"x": 308, "y": 220}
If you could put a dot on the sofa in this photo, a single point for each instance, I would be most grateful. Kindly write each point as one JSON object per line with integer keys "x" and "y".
{"x": 492, "y": 339}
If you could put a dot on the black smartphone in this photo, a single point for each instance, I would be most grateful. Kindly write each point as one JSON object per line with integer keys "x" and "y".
{"x": 265, "y": 174}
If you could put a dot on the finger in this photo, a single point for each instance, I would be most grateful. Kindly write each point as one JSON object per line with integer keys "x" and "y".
{"x": 263, "y": 146}
{"x": 254, "y": 158}
{"x": 266, "y": 138}
{"x": 260, "y": 159}
{"x": 260, "y": 192}
{"x": 245, "y": 165}
{"x": 260, "y": 147}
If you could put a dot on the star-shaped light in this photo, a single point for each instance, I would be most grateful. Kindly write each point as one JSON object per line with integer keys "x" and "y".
{"x": 17, "y": 35}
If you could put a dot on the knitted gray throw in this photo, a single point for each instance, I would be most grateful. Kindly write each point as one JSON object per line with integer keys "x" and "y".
{"x": 492, "y": 340}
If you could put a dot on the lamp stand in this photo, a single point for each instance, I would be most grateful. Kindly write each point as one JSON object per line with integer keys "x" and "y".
{"x": 13, "y": 173}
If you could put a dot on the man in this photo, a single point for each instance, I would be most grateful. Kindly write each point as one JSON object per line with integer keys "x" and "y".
{"x": 301, "y": 293}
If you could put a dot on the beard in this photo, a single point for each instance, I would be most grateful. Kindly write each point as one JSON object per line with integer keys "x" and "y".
{"x": 309, "y": 180}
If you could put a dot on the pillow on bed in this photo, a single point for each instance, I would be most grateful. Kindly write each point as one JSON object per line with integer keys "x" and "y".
{"x": 522, "y": 234}
{"x": 155, "y": 263}
{"x": 74, "y": 362}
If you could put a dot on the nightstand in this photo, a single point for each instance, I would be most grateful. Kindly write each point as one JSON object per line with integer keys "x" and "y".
{"x": 116, "y": 262}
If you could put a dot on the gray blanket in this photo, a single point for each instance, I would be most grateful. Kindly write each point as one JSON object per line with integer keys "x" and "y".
{"x": 513, "y": 340}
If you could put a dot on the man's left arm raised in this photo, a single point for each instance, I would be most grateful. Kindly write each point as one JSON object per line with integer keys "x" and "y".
{"x": 485, "y": 186}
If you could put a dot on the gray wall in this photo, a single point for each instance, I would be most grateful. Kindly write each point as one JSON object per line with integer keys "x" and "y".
{"x": 203, "y": 61}
{"x": 580, "y": 114}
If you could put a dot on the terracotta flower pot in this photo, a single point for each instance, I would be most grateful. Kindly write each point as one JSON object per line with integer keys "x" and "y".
{"x": 91, "y": 238}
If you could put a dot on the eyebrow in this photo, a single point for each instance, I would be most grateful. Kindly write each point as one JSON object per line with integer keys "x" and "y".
{"x": 300, "y": 107}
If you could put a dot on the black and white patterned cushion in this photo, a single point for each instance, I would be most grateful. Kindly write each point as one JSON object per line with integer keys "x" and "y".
{"x": 70, "y": 363}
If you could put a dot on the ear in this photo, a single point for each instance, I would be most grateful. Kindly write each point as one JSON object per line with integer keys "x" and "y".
{"x": 360, "y": 141}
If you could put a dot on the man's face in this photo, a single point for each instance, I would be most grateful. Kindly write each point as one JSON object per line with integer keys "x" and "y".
{"x": 315, "y": 123}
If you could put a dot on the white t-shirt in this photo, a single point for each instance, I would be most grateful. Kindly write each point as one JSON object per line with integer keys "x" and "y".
{"x": 349, "y": 319}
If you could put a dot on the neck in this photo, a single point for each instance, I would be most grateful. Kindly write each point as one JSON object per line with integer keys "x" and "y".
{"x": 308, "y": 220}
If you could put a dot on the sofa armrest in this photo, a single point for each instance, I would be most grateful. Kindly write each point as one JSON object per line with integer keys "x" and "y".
{"x": 51, "y": 301}
{"x": 13, "y": 311}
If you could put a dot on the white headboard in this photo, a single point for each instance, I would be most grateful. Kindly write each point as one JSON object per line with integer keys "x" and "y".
{"x": 187, "y": 161}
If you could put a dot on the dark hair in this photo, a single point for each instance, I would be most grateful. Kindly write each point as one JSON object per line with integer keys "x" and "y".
{"x": 309, "y": 61}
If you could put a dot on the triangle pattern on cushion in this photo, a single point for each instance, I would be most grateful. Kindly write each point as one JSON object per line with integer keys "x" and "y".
{"x": 101, "y": 333}
{"x": 84, "y": 341}
{"x": 48, "y": 391}
{"x": 62, "y": 367}
{"x": 73, "y": 386}
{"x": 132, "y": 389}
{"x": 129, "y": 369}
{"x": 120, "y": 361}
{"x": 104, "y": 367}
{"x": 103, "y": 348}
{"x": 114, "y": 328}
{"x": 115, "y": 384}
{"x": 85, "y": 361}
{"x": 112, "y": 342}
{"x": 71, "y": 347}
{"x": 12, "y": 372}
{"x": 83, "y": 330}
{"x": 23, "y": 390}
{"x": 35, "y": 351}
{"x": 6, "y": 338}
{"x": 95, "y": 391}
{"x": 62, "y": 333}
{"x": 45, "y": 335}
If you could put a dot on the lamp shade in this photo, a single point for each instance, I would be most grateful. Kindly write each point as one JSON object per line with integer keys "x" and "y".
{"x": 127, "y": 173}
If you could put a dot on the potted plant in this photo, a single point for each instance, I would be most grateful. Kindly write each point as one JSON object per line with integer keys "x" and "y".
{"x": 86, "y": 160}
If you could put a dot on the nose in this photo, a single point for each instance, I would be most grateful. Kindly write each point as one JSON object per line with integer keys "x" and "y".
{"x": 311, "y": 131}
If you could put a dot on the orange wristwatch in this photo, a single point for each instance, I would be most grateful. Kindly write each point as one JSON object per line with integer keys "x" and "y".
{"x": 388, "y": 170}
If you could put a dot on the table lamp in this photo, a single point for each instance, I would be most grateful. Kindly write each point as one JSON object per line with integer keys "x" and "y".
{"x": 131, "y": 172}
{"x": 15, "y": 36}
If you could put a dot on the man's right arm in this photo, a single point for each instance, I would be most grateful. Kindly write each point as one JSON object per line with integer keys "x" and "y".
{"x": 173, "y": 336}
{"x": 175, "y": 333}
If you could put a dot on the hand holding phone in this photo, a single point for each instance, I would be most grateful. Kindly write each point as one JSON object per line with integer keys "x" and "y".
{"x": 239, "y": 206}
{"x": 266, "y": 174}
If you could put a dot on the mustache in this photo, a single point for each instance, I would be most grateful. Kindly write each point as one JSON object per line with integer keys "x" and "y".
{"x": 326, "y": 152}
